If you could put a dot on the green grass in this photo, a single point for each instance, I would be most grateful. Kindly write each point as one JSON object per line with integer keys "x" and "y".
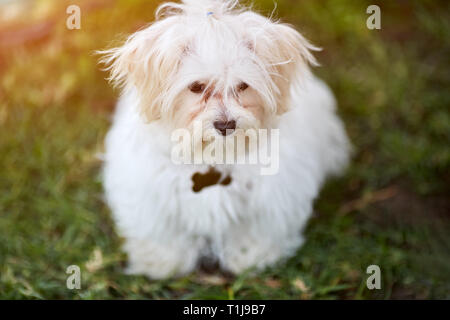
{"x": 390, "y": 209}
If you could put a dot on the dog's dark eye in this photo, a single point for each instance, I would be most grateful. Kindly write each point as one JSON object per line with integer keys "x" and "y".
{"x": 197, "y": 87}
{"x": 242, "y": 86}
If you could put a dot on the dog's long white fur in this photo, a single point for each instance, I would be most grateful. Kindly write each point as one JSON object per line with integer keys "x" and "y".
{"x": 256, "y": 220}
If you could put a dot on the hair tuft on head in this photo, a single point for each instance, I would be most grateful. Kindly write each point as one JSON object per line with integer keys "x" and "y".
{"x": 198, "y": 8}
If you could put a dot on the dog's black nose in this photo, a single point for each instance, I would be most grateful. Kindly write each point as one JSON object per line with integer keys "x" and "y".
{"x": 225, "y": 127}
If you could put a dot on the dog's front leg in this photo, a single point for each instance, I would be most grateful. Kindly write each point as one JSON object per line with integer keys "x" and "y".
{"x": 161, "y": 259}
{"x": 254, "y": 246}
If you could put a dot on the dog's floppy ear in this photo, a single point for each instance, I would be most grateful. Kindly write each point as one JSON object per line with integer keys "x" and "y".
{"x": 287, "y": 53}
{"x": 145, "y": 62}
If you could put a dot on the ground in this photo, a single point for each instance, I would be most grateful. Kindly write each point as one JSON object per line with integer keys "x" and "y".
{"x": 391, "y": 208}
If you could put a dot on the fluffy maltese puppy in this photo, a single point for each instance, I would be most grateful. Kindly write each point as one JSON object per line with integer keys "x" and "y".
{"x": 226, "y": 67}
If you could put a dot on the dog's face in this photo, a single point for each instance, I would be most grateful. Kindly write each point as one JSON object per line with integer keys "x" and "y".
{"x": 220, "y": 84}
{"x": 227, "y": 68}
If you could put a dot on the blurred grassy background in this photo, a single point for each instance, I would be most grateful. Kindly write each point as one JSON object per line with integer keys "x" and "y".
{"x": 391, "y": 209}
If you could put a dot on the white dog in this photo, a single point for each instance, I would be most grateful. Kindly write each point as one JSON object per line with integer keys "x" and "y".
{"x": 217, "y": 63}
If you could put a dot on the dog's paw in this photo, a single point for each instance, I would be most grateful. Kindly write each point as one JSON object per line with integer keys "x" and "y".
{"x": 242, "y": 256}
{"x": 159, "y": 261}
{"x": 155, "y": 271}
